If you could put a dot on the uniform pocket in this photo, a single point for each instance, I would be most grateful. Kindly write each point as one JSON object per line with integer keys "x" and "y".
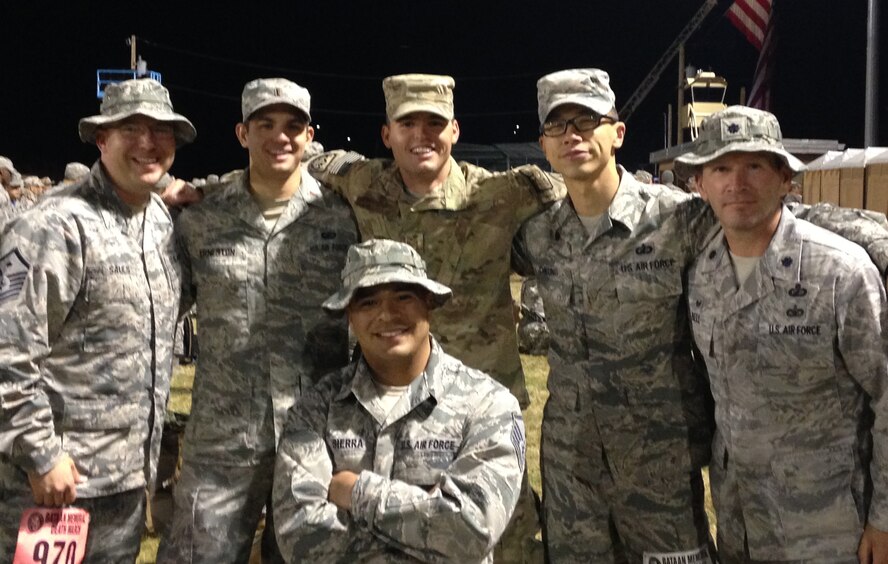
{"x": 112, "y": 302}
{"x": 103, "y": 436}
{"x": 814, "y": 493}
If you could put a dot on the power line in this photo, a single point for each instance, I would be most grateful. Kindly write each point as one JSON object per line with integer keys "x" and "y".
{"x": 249, "y": 64}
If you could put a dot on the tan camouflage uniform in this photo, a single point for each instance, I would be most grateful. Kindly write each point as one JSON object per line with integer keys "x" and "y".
{"x": 89, "y": 299}
{"x": 264, "y": 339}
{"x": 438, "y": 475}
{"x": 795, "y": 356}
{"x": 463, "y": 231}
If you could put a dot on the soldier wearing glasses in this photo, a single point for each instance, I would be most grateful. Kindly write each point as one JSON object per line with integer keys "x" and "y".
{"x": 89, "y": 293}
{"x": 628, "y": 422}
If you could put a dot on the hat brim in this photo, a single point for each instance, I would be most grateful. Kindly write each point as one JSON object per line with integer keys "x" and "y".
{"x": 419, "y": 106}
{"x": 578, "y": 99}
{"x": 340, "y": 300}
{"x": 687, "y": 164}
{"x": 184, "y": 130}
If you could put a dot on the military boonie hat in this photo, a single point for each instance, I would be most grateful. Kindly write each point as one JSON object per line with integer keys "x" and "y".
{"x": 264, "y": 92}
{"x": 7, "y": 164}
{"x": 75, "y": 170}
{"x": 141, "y": 96}
{"x": 739, "y": 128}
{"x": 409, "y": 93}
{"x": 589, "y": 88}
{"x": 381, "y": 261}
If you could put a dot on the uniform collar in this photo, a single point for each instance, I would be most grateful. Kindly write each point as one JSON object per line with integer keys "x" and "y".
{"x": 451, "y": 195}
{"x": 780, "y": 261}
{"x": 235, "y": 196}
{"x": 429, "y": 385}
{"x": 625, "y": 209}
{"x": 114, "y": 212}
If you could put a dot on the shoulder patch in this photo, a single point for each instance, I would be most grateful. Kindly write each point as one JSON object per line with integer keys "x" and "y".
{"x": 518, "y": 441}
{"x": 14, "y": 270}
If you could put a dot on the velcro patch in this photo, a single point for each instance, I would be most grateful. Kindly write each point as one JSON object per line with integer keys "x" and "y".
{"x": 734, "y": 129}
{"x": 14, "y": 269}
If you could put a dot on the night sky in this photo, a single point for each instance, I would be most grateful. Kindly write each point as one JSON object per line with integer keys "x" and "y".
{"x": 341, "y": 51}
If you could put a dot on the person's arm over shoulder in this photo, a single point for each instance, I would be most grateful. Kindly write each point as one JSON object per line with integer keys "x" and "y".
{"x": 334, "y": 168}
{"x": 864, "y": 227}
{"x": 463, "y": 516}
{"x": 40, "y": 277}
{"x": 533, "y": 190}
{"x": 307, "y": 525}
{"x": 862, "y": 322}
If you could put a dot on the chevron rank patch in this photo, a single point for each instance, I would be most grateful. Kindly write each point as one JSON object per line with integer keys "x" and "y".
{"x": 518, "y": 441}
{"x": 14, "y": 270}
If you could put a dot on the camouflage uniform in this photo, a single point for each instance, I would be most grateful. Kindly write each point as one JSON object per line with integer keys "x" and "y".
{"x": 463, "y": 231}
{"x": 628, "y": 421}
{"x": 439, "y": 477}
{"x": 794, "y": 357}
{"x": 89, "y": 300}
{"x": 625, "y": 428}
{"x": 798, "y": 365}
{"x": 264, "y": 339}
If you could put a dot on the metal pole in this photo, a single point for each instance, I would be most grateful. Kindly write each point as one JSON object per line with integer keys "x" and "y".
{"x": 871, "y": 115}
{"x": 668, "y": 125}
{"x": 681, "y": 83}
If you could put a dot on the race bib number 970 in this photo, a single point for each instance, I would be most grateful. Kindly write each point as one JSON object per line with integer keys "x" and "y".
{"x": 52, "y": 535}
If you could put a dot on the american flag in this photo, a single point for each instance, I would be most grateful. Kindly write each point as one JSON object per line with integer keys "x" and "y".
{"x": 753, "y": 19}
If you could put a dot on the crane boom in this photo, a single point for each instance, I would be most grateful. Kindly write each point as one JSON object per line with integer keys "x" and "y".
{"x": 654, "y": 75}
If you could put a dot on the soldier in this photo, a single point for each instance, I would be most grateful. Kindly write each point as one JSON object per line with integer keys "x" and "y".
{"x": 461, "y": 220}
{"x": 88, "y": 306}
{"x": 406, "y": 454}
{"x": 792, "y": 323}
{"x": 627, "y": 425}
{"x": 259, "y": 255}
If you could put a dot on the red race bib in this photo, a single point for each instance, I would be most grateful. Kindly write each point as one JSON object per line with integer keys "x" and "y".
{"x": 52, "y": 535}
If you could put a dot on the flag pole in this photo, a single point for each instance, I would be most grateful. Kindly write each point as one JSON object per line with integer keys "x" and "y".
{"x": 871, "y": 116}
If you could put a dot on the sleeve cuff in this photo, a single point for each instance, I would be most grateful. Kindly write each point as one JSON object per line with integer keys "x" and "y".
{"x": 364, "y": 496}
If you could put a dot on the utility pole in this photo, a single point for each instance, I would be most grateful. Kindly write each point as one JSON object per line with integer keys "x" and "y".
{"x": 871, "y": 115}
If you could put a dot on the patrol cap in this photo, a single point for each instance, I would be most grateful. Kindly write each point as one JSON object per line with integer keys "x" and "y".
{"x": 589, "y": 88}
{"x": 140, "y": 96}
{"x": 409, "y": 93}
{"x": 75, "y": 170}
{"x": 382, "y": 261}
{"x": 264, "y": 92}
{"x": 738, "y": 128}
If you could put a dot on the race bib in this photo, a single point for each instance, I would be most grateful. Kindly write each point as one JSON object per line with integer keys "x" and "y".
{"x": 698, "y": 556}
{"x": 52, "y": 535}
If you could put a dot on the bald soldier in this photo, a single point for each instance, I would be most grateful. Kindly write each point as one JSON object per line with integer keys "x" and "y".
{"x": 259, "y": 256}
{"x": 89, "y": 293}
{"x": 626, "y": 427}
{"x": 461, "y": 219}
{"x": 406, "y": 454}
{"x": 792, "y": 323}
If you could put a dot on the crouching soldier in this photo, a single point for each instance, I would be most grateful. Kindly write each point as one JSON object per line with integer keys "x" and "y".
{"x": 406, "y": 453}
